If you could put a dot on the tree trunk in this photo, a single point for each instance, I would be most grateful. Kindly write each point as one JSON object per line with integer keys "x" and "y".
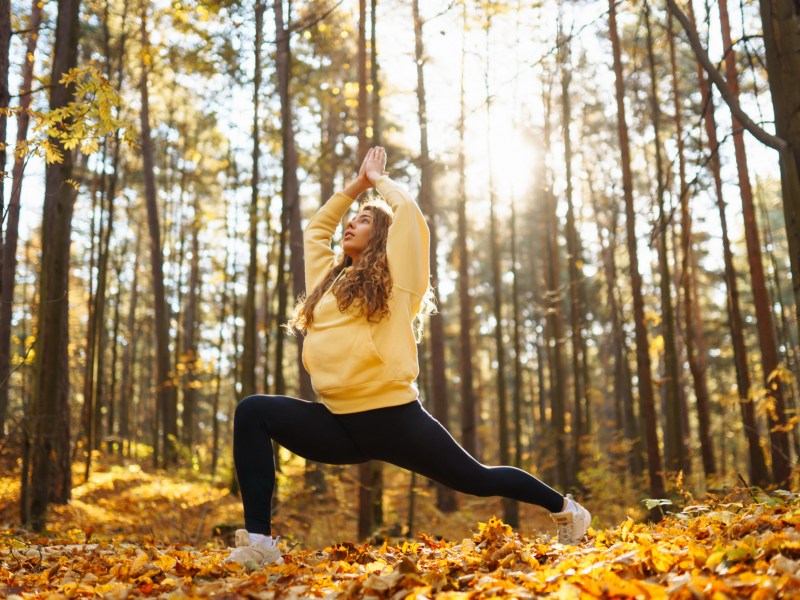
{"x": 9, "y": 248}
{"x": 575, "y": 282}
{"x": 554, "y": 329}
{"x": 782, "y": 44}
{"x": 329, "y": 136}
{"x": 362, "y": 114}
{"x": 778, "y": 428}
{"x": 375, "y": 99}
{"x": 233, "y": 485}
{"x": 784, "y": 330}
{"x": 190, "y": 333}
{"x": 111, "y": 401}
{"x": 517, "y": 396}
{"x": 5, "y": 96}
{"x": 100, "y": 331}
{"x": 693, "y": 324}
{"x": 646, "y": 400}
{"x": 370, "y": 495}
{"x": 127, "y": 425}
{"x": 377, "y": 131}
{"x": 291, "y": 205}
{"x": 267, "y": 300}
{"x": 469, "y": 417}
{"x": 223, "y": 314}
{"x": 88, "y": 416}
{"x": 445, "y": 497}
{"x": 165, "y": 388}
{"x": 756, "y": 464}
{"x": 108, "y": 188}
{"x": 675, "y": 458}
{"x": 50, "y": 479}
{"x": 622, "y": 388}
{"x": 249, "y": 339}
{"x": 510, "y": 507}
{"x": 177, "y": 227}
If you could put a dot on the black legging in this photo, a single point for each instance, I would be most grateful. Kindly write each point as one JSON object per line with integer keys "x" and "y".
{"x": 406, "y": 436}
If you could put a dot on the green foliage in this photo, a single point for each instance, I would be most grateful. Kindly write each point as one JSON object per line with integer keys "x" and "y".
{"x": 81, "y": 124}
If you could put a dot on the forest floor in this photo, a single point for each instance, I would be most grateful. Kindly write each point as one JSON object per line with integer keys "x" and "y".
{"x": 129, "y": 533}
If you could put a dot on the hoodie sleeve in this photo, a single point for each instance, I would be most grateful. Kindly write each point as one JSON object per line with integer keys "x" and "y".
{"x": 408, "y": 246}
{"x": 319, "y": 256}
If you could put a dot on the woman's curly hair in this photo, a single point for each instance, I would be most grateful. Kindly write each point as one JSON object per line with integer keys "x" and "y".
{"x": 366, "y": 287}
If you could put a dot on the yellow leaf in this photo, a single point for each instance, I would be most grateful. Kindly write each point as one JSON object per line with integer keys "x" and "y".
{"x": 69, "y": 589}
{"x": 138, "y": 563}
{"x": 109, "y": 588}
{"x": 165, "y": 562}
{"x": 715, "y": 559}
{"x": 662, "y": 561}
{"x": 651, "y": 591}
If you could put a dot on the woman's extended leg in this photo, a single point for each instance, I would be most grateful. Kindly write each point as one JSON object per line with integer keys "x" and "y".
{"x": 409, "y": 437}
{"x": 305, "y": 428}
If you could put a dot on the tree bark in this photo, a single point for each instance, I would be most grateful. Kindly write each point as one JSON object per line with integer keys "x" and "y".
{"x": 375, "y": 99}
{"x": 127, "y": 425}
{"x": 99, "y": 317}
{"x": 574, "y": 258}
{"x": 165, "y": 388}
{"x": 646, "y": 400}
{"x": 782, "y": 44}
{"x": 177, "y": 227}
{"x": 554, "y": 329}
{"x": 50, "y": 479}
{"x": 674, "y": 456}
{"x": 693, "y": 324}
{"x": 267, "y": 310}
{"x": 517, "y": 395}
{"x": 773, "y": 141}
{"x": 223, "y": 313}
{"x": 190, "y": 334}
{"x": 9, "y": 248}
{"x": 249, "y": 339}
{"x": 5, "y": 95}
{"x": 88, "y": 415}
{"x": 622, "y": 390}
{"x": 784, "y": 329}
{"x": 445, "y": 497}
{"x": 757, "y": 468}
{"x": 329, "y": 136}
{"x": 370, "y": 473}
{"x": 778, "y": 428}
{"x": 291, "y": 203}
{"x": 469, "y": 417}
{"x": 111, "y": 426}
{"x": 97, "y": 396}
{"x": 510, "y": 507}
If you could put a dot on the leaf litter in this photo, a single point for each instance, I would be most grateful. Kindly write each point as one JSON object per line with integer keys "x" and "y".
{"x": 746, "y": 549}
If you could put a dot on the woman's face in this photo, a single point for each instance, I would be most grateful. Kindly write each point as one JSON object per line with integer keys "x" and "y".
{"x": 356, "y": 235}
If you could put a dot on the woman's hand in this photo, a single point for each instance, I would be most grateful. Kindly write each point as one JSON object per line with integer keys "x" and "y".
{"x": 371, "y": 170}
{"x": 374, "y": 165}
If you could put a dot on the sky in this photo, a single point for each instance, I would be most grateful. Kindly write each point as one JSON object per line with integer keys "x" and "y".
{"x": 518, "y": 49}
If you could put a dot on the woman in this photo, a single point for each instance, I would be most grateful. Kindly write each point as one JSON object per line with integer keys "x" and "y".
{"x": 360, "y": 323}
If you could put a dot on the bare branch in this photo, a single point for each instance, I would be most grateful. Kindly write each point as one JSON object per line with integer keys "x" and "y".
{"x": 715, "y": 76}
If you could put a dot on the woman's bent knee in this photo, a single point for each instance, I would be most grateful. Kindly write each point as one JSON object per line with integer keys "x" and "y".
{"x": 251, "y": 406}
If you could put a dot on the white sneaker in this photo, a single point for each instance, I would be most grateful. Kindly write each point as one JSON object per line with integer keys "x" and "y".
{"x": 254, "y": 554}
{"x": 572, "y": 523}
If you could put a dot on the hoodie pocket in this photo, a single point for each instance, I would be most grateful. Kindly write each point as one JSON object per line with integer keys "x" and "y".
{"x": 342, "y": 357}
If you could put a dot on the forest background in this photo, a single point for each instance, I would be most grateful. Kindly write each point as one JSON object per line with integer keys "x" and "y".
{"x": 612, "y": 252}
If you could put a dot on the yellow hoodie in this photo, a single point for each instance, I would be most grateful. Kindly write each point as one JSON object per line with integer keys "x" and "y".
{"x": 356, "y": 365}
